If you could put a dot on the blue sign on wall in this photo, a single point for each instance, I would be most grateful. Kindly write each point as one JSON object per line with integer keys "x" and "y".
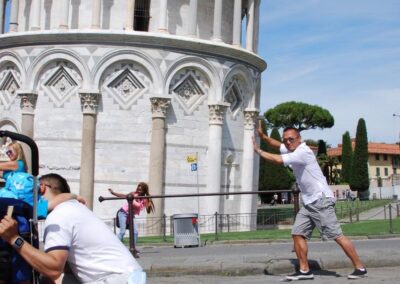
{"x": 193, "y": 167}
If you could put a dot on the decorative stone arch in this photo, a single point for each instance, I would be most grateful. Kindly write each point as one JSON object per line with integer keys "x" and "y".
{"x": 192, "y": 80}
{"x": 60, "y": 73}
{"x": 126, "y": 75}
{"x": 129, "y": 55}
{"x": 12, "y": 77}
{"x": 238, "y": 89}
{"x": 9, "y": 124}
{"x": 47, "y": 57}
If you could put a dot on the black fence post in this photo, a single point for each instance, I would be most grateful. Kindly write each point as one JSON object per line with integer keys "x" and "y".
{"x": 358, "y": 214}
{"x": 390, "y": 219}
{"x": 165, "y": 227}
{"x": 384, "y": 211}
{"x": 296, "y": 200}
{"x": 216, "y": 226}
{"x": 132, "y": 245}
{"x": 351, "y": 215}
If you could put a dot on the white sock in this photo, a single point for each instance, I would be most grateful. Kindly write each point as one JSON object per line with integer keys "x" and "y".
{"x": 302, "y": 271}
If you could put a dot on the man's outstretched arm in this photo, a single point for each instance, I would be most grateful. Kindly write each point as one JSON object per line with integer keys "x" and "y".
{"x": 274, "y": 158}
{"x": 271, "y": 141}
{"x": 50, "y": 264}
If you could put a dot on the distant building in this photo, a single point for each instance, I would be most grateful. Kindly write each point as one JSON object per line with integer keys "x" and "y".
{"x": 383, "y": 161}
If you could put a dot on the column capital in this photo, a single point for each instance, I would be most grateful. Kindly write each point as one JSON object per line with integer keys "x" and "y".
{"x": 159, "y": 106}
{"x": 217, "y": 112}
{"x": 250, "y": 117}
{"x": 28, "y": 101}
{"x": 89, "y": 101}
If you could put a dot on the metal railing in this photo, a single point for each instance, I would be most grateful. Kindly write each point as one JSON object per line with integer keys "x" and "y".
{"x": 130, "y": 198}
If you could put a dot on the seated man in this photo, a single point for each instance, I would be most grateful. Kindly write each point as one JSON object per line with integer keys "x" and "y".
{"x": 75, "y": 235}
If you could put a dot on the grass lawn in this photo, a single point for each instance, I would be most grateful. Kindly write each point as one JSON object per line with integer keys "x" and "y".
{"x": 363, "y": 228}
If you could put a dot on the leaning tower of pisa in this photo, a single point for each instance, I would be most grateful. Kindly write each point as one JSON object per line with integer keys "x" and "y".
{"x": 116, "y": 92}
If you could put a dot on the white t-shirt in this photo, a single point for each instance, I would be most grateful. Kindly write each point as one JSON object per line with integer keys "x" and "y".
{"x": 94, "y": 251}
{"x": 308, "y": 174}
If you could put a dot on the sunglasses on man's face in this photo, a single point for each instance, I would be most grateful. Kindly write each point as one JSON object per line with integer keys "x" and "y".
{"x": 290, "y": 139}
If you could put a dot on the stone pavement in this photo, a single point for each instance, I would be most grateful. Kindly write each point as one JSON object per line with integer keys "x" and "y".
{"x": 250, "y": 258}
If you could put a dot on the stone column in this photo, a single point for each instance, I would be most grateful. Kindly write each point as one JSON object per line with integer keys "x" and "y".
{"x": 192, "y": 18}
{"x": 256, "y": 25}
{"x": 28, "y": 106}
{"x": 237, "y": 23}
{"x": 159, "y": 107}
{"x": 14, "y": 16}
{"x": 36, "y": 8}
{"x": 162, "y": 24}
{"x": 247, "y": 167}
{"x": 130, "y": 15}
{"x": 214, "y": 157}
{"x": 96, "y": 14}
{"x": 217, "y": 20}
{"x": 1, "y": 16}
{"x": 250, "y": 26}
{"x": 89, "y": 104}
{"x": 64, "y": 14}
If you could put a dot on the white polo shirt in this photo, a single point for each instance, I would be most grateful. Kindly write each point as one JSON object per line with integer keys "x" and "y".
{"x": 308, "y": 174}
{"x": 94, "y": 251}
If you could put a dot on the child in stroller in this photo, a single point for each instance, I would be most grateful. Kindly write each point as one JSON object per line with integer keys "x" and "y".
{"x": 19, "y": 193}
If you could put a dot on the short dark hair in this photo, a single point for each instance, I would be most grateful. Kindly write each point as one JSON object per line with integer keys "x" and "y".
{"x": 291, "y": 128}
{"x": 56, "y": 182}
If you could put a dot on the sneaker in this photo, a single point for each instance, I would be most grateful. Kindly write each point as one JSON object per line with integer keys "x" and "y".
{"x": 298, "y": 275}
{"x": 358, "y": 273}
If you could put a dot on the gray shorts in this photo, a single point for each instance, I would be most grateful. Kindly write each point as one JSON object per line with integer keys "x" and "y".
{"x": 320, "y": 214}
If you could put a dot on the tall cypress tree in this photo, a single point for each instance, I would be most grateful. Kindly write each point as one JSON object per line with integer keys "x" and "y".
{"x": 272, "y": 176}
{"x": 347, "y": 153}
{"x": 323, "y": 159}
{"x": 359, "y": 179}
{"x": 321, "y": 147}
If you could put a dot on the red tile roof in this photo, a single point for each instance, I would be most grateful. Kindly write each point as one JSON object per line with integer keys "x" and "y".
{"x": 373, "y": 148}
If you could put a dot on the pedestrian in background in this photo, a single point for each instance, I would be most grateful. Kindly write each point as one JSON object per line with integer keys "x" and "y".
{"x": 138, "y": 204}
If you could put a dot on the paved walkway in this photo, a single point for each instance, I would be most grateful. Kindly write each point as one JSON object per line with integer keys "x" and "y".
{"x": 268, "y": 257}
{"x": 259, "y": 258}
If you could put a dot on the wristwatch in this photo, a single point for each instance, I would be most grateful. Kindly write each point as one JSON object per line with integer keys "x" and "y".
{"x": 18, "y": 243}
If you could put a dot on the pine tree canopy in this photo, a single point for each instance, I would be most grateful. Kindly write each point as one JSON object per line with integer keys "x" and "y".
{"x": 299, "y": 115}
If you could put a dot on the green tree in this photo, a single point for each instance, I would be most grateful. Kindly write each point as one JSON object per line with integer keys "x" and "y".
{"x": 347, "y": 153}
{"x": 359, "y": 179}
{"x": 321, "y": 147}
{"x": 272, "y": 176}
{"x": 311, "y": 142}
{"x": 323, "y": 158}
{"x": 300, "y": 115}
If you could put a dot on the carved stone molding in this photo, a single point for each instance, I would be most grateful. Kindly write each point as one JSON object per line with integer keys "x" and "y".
{"x": 159, "y": 106}
{"x": 217, "y": 113}
{"x": 250, "y": 117}
{"x": 28, "y": 102}
{"x": 89, "y": 102}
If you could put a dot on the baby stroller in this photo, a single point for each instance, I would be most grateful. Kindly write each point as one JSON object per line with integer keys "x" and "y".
{"x": 24, "y": 213}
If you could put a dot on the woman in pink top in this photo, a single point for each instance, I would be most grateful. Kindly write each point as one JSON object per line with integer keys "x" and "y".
{"x": 138, "y": 205}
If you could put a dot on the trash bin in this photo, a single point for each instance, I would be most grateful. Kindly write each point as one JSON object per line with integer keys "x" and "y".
{"x": 186, "y": 230}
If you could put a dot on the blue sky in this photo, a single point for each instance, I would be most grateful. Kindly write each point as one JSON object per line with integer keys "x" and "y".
{"x": 343, "y": 55}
